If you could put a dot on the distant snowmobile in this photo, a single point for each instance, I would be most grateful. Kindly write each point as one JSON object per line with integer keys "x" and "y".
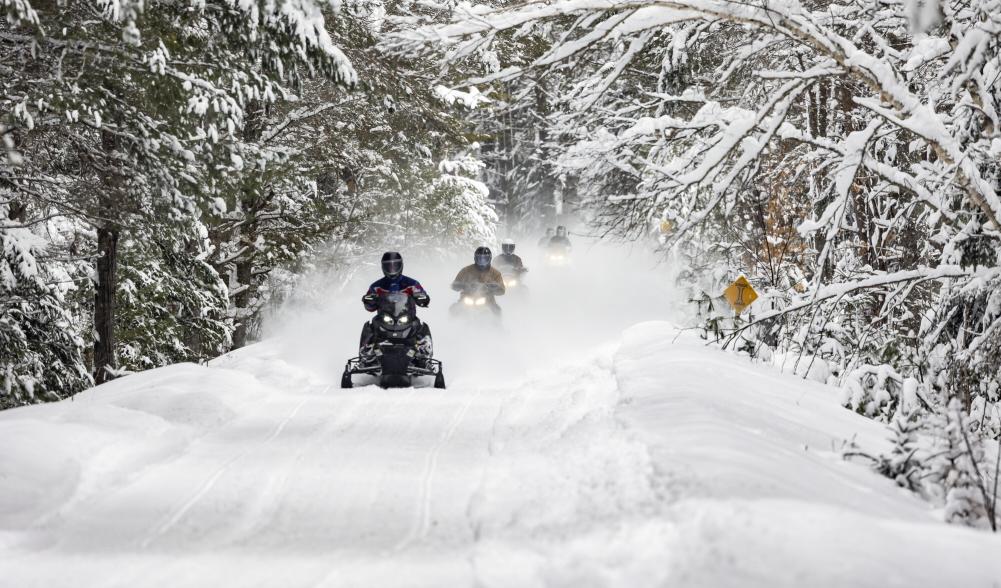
{"x": 514, "y": 280}
{"x": 395, "y": 362}
{"x": 557, "y": 256}
{"x": 558, "y": 249}
{"x": 511, "y": 267}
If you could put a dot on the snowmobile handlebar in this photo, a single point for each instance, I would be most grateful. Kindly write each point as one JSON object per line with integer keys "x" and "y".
{"x": 371, "y": 301}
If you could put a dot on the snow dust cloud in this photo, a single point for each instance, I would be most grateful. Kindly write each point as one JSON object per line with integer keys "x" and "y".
{"x": 559, "y": 313}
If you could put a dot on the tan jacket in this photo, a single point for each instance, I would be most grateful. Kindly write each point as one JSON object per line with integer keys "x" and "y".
{"x": 474, "y": 275}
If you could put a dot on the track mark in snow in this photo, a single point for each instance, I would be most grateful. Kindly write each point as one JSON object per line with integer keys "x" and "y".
{"x": 207, "y": 486}
{"x": 271, "y": 498}
{"x": 422, "y": 516}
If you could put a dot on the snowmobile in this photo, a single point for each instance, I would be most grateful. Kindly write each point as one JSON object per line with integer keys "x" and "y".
{"x": 513, "y": 279}
{"x": 476, "y": 300}
{"x": 395, "y": 362}
{"x": 557, "y": 256}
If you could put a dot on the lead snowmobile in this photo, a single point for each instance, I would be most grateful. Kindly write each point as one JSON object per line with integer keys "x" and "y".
{"x": 395, "y": 361}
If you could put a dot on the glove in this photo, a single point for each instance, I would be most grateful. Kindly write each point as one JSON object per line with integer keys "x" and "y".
{"x": 422, "y": 299}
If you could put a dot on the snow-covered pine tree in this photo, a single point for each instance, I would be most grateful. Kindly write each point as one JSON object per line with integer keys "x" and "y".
{"x": 355, "y": 170}
{"x": 904, "y": 463}
{"x": 121, "y": 116}
{"x": 42, "y": 352}
{"x": 953, "y": 466}
{"x": 172, "y": 304}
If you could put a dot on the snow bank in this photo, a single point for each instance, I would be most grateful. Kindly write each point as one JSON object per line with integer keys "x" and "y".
{"x": 756, "y": 490}
{"x": 58, "y": 455}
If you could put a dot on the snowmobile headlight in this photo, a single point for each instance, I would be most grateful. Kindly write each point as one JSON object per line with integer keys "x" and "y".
{"x": 387, "y": 319}
{"x": 481, "y": 301}
{"x": 469, "y": 300}
{"x": 512, "y": 282}
{"x": 404, "y": 320}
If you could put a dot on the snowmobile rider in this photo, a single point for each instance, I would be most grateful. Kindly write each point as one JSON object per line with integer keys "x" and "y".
{"x": 544, "y": 241}
{"x": 480, "y": 279}
{"x": 560, "y": 241}
{"x": 507, "y": 262}
{"x": 393, "y": 280}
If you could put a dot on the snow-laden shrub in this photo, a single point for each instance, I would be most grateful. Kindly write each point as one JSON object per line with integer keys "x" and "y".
{"x": 904, "y": 463}
{"x": 873, "y": 390}
{"x": 41, "y": 352}
{"x": 953, "y": 468}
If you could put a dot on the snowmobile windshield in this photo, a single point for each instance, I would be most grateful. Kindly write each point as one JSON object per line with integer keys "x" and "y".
{"x": 396, "y": 303}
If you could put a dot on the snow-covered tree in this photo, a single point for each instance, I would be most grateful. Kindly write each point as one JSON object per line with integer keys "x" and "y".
{"x": 42, "y": 357}
{"x": 904, "y": 463}
{"x": 123, "y": 113}
{"x": 172, "y": 303}
{"x": 843, "y": 155}
{"x": 953, "y": 468}
{"x": 353, "y": 170}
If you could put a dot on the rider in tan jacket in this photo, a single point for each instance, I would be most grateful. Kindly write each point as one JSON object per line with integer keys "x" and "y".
{"x": 479, "y": 279}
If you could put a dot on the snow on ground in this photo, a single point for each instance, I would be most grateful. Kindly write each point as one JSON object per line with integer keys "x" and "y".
{"x": 580, "y": 445}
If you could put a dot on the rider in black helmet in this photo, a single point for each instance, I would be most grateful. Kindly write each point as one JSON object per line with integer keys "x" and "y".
{"x": 508, "y": 261}
{"x": 393, "y": 280}
{"x": 560, "y": 239}
{"x": 509, "y": 264}
{"x": 544, "y": 241}
{"x": 480, "y": 278}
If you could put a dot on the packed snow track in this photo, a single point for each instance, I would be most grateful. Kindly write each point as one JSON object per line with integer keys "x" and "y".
{"x": 641, "y": 462}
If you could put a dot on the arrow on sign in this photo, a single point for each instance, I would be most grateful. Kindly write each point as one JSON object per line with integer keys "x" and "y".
{"x": 740, "y": 294}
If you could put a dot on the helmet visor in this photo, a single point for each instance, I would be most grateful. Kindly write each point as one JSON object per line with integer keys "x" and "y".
{"x": 508, "y": 247}
{"x": 392, "y": 267}
{"x": 482, "y": 259}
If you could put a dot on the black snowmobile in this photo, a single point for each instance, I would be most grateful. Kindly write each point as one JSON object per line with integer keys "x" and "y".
{"x": 395, "y": 362}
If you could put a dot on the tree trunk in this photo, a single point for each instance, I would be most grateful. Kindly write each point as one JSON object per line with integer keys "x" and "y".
{"x": 244, "y": 277}
{"x": 249, "y": 205}
{"x": 548, "y": 191}
{"x": 107, "y": 267}
{"x": 104, "y": 304}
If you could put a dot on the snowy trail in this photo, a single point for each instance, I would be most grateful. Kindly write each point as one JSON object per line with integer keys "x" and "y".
{"x": 638, "y": 462}
{"x": 361, "y": 479}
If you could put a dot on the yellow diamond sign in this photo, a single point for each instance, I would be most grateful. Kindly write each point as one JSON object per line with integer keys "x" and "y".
{"x": 740, "y": 294}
